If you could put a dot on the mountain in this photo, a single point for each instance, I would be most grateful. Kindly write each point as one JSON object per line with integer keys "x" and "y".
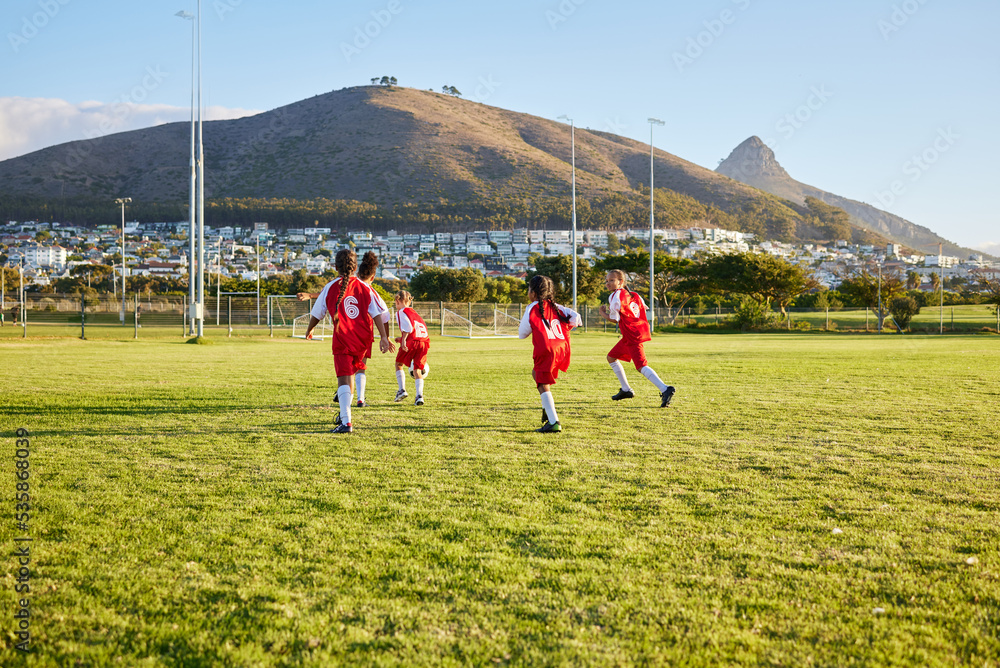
{"x": 379, "y": 151}
{"x": 754, "y": 163}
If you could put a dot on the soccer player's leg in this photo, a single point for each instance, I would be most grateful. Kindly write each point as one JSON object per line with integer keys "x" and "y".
{"x": 401, "y": 366}
{"x": 544, "y": 374}
{"x": 666, "y": 391}
{"x": 615, "y": 355}
{"x": 345, "y": 367}
{"x": 418, "y": 362}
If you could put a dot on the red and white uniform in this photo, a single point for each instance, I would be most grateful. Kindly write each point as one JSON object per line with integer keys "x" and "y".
{"x": 629, "y": 311}
{"x": 550, "y": 339}
{"x": 353, "y": 333}
{"x": 412, "y": 326}
{"x": 385, "y": 319}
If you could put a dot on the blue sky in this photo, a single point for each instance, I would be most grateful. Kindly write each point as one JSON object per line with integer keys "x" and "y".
{"x": 891, "y": 102}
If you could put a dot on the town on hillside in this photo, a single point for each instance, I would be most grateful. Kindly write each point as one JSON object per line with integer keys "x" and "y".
{"x": 49, "y": 251}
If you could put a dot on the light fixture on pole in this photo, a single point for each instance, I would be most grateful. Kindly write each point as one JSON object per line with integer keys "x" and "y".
{"x": 652, "y": 221}
{"x": 123, "y": 201}
{"x": 572, "y": 135}
{"x": 191, "y": 201}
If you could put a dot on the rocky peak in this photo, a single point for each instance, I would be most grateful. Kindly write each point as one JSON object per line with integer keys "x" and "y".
{"x": 751, "y": 159}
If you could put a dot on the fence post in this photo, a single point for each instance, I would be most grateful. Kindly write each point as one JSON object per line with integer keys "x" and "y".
{"x": 586, "y": 311}
{"x": 441, "y": 311}
{"x": 828, "y": 318}
{"x": 83, "y": 316}
{"x": 866, "y": 318}
{"x": 953, "y": 318}
{"x": 135, "y": 314}
{"x": 229, "y": 314}
{"x": 470, "y": 320}
{"x": 270, "y": 320}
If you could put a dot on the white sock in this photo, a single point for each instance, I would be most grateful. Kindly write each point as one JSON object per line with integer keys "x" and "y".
{"x": 401, "y": 379}
{"x": 359, "y": 381}
{"x": 344, "y": 394}
{"x": 549, "y": 404}
{"x": 653, "y": 378}
{"x": 616, "y": 366}
{"x": 419, "y": 382}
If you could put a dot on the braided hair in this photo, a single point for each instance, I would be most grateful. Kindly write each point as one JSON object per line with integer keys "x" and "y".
{"x": 545, "y": 290}
{"x": 369, "y": 263}
{"x": 346, "y": 264}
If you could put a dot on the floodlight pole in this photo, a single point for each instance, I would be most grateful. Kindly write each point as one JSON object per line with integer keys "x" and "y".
{"x": 652, "y": 221}
{"x": 879, "y": 297}
{"x": 572, "y": 135}
{"x": 257, "y": 237}
{"x": 191, "y": 201}
{"x": 123, "y": 201}
{"x": 200, "y": 309}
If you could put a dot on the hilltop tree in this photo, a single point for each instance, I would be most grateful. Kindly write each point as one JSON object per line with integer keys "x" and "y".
{"x": 451, "y": 90}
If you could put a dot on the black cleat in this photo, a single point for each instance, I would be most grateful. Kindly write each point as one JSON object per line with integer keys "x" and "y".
{"x": 361, "y": 404}
{"x": 550, "y": 428}
{"x": 344, "y": 429}
{"x": 623, "y": 394}
{"x": 666, "y": 395}
{"x": 337, "y": 420}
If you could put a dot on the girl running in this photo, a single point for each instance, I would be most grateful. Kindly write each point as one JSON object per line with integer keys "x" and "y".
{"x": 354, "y": 308}
{"x": 549, "y": 325}
{"x": 413, "y": 345}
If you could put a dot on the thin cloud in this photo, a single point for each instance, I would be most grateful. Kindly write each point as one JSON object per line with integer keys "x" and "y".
{"x": 989, "y": 247}
{"x": 30, "y": 124}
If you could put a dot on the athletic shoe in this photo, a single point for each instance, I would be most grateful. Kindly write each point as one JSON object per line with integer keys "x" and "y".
{"x": 361, "y": 404}
{"x": 666, "y": 395}
{"x": 344, "y": 429}
{"x": 623, "y": 394}
{"x": 400, "y": 396}
{"x": 550, "y": 428}
{"x": 419, "y": 401}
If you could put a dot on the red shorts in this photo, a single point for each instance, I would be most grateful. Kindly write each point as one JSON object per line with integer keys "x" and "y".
{"x": 547, "y": 368}
{"x": 348, "y": 365}
{"x": 416, "y": 353}
{"x": 629, "y": 352}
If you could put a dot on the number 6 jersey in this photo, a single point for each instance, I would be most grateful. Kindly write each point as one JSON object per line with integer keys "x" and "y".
{"x": 354, "y": 330}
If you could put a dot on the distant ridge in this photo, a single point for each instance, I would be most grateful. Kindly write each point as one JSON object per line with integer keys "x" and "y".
{"x": 754, "y": 163}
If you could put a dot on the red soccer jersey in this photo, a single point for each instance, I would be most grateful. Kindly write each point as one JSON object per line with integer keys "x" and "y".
{"x": 550, "y": 336}
{"x": 632, "y": 322}
{"x": 417, "y": 330}
{"x": 353, "y": 332}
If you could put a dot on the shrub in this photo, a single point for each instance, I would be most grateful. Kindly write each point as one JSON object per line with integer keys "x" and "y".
{"x": 903, "y": 309}
{"x": 752, "y": 315}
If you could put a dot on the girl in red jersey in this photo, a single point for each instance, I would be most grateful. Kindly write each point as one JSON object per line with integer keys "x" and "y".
{"x": 413, "y": 345}
{"x": 628, "y": 311}
{"x": 353, "y": 308}
{"x": 366, "y": 272}
{"x": 549, "y": 325}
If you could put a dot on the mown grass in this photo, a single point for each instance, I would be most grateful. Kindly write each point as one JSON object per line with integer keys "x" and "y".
{"x": 192, "y": 508}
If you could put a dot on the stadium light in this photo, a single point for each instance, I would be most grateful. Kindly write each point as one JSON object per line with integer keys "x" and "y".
{"x": 191, "y": 202}
{"x": 652, "y": 221}
{"x": 123, "y": 201}
{"x": 572, "y": 135}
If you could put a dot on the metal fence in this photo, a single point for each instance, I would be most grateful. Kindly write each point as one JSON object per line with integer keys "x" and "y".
{"x": 243, "y": 315}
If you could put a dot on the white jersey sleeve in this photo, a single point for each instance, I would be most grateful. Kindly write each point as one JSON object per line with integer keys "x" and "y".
{"x": 614, "y": 305}
{"x": 381, "y": 304}
{"x": 319, "y": 308}
{"x": 574, "y": 318}
{"x": 404, "y": 323}
{"x": 524, "y": 329}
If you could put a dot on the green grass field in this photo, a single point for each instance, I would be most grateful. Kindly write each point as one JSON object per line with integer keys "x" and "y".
{"x": 190, "y": 507}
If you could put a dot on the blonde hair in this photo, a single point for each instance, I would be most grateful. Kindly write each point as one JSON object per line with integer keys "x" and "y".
{"x": 404, "y": 297}
{"x": 619, "y": 274}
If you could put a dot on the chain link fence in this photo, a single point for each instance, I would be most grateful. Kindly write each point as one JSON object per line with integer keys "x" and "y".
{"x": 245, "y": 315}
